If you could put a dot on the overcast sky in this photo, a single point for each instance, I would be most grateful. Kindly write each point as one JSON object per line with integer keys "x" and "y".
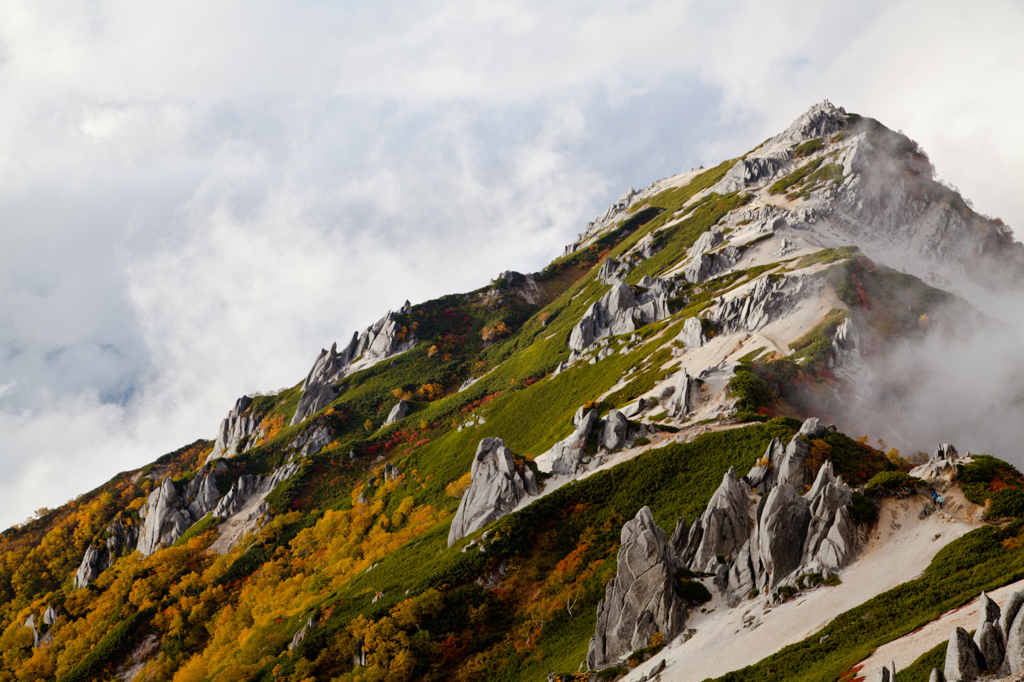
{"x": 196, "y": 197}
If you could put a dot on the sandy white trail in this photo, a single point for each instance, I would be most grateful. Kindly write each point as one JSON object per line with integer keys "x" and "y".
{"x": 899, "y": 549}
{"x": 906, "y": 650}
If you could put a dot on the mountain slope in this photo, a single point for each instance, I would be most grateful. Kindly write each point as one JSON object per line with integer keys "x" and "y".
{"x": 659, "y": 371}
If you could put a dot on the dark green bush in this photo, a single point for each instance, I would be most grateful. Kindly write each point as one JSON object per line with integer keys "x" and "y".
{"x": 750, "y": 390}
{"x": 888, "y": 482}
{"x": 862, "y": 509}
{"x": 1007, "y": 503}
{"x": 692, "y": 592}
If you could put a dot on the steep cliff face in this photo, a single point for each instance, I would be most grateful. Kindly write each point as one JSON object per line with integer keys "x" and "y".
{"x": 238, "y": 432}
{"x": 381, "y": 340}
{"x": 169, "y": 512}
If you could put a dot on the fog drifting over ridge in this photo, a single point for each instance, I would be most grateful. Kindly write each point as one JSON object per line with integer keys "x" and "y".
{"x": 198, "y": 197}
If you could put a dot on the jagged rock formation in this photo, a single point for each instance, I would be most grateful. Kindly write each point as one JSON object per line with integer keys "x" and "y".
{"x": 640, "y": 600}
{"x": 169, "y": 513}
{"x": 312, "y": 441}
{"x": 723, "y": 529}
{"x": 397, "y": 412}
{"x": 678, "y": 405}
{"x": 605, "y": 220}
{"x": 243, "y": 506}
{"x": 845, "y": 344}
{"x": 990, "y": 646}
{"x": 703, "y": 264}
{"x": 791, "y": 468}
{"x": 615, "y": 431}
{"x": 766, "y": 298}
{"x": 612, "y": 271}
{"x": 238, "y": 431}
{"x": 617, "y": 312}
{"x": 997, "y": 649}
{"x": 246, "y": 487}
{"x": 887, "y": 673}
{"x": 569, "y": 457}
{"x": 771, "y": 158}
{"x": 381, "y": 340}
{"x": 761, "y": 477}
{"x": 940, "y": 467}
{"x": 52, "y": 614}
{"x": 692, "y": 334}
{"x": 793, "y": 533}
{"x": 780, "y": 534}
{"x": 495, "y": 490}
{"x": 963, "y": 660}
{"x": 122, "y": 538}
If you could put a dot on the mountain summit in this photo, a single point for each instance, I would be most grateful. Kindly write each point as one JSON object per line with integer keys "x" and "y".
{"x": 629, "y": 465}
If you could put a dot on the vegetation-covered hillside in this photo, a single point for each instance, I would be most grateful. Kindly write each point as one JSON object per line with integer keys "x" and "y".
{"x": 713, "y": 317}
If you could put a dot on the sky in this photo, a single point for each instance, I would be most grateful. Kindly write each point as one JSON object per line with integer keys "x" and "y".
{"x": 197, "y": 197}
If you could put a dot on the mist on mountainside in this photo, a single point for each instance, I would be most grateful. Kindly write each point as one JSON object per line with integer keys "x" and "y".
{"x": 962, "y": 382}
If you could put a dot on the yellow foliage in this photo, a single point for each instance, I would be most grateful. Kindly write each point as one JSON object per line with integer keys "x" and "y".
{"x": 457, "y": 487}
{"x": 271, "y": 426}
{"x": 428, "y": 392}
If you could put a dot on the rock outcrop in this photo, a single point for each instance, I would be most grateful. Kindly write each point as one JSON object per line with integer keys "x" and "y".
{"x": 772, "y": 158}
{"x": 569, "y": 457}
{"x": 243, "y": 506}
{"x": 121, "y": 539}
{"x": 615, "y": 431}
{"x": 845, "y": 344}
{"x": 791, "y": 468}
{"x": 612, "y": 271}
{"x": 381, "y": 340}
{"x": 617, "y": 312}
{"x": 496, "y": 488}
{"x": 312, "y": 622}
{"x": 781, "y": 533}
{"x": 605, "y": 220}
{"x": 678, "y": 405}
{"x": 963, "y": 660}
{"x": 397, "y": 412}
{"x": 887, "y": 673}
{"x": 724, "y": 526}
{"x": 762, "y": 475}
{"x": 703, "y": 264}
{"x": 692, "y": 335}
{"x": 640, "y": 600}
{"x": 766, "y": 298}
{"x": 793, "y": 534}
{"x": 169, "y": 512}
{"x": 238, "y": 432}
{"x": 941, "y": 466}
{"x": 311, "y": 441}
{"x": 990, "y": 646}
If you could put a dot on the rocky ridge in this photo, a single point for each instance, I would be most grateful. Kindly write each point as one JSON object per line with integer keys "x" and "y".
{"x": 383, "y": 339}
